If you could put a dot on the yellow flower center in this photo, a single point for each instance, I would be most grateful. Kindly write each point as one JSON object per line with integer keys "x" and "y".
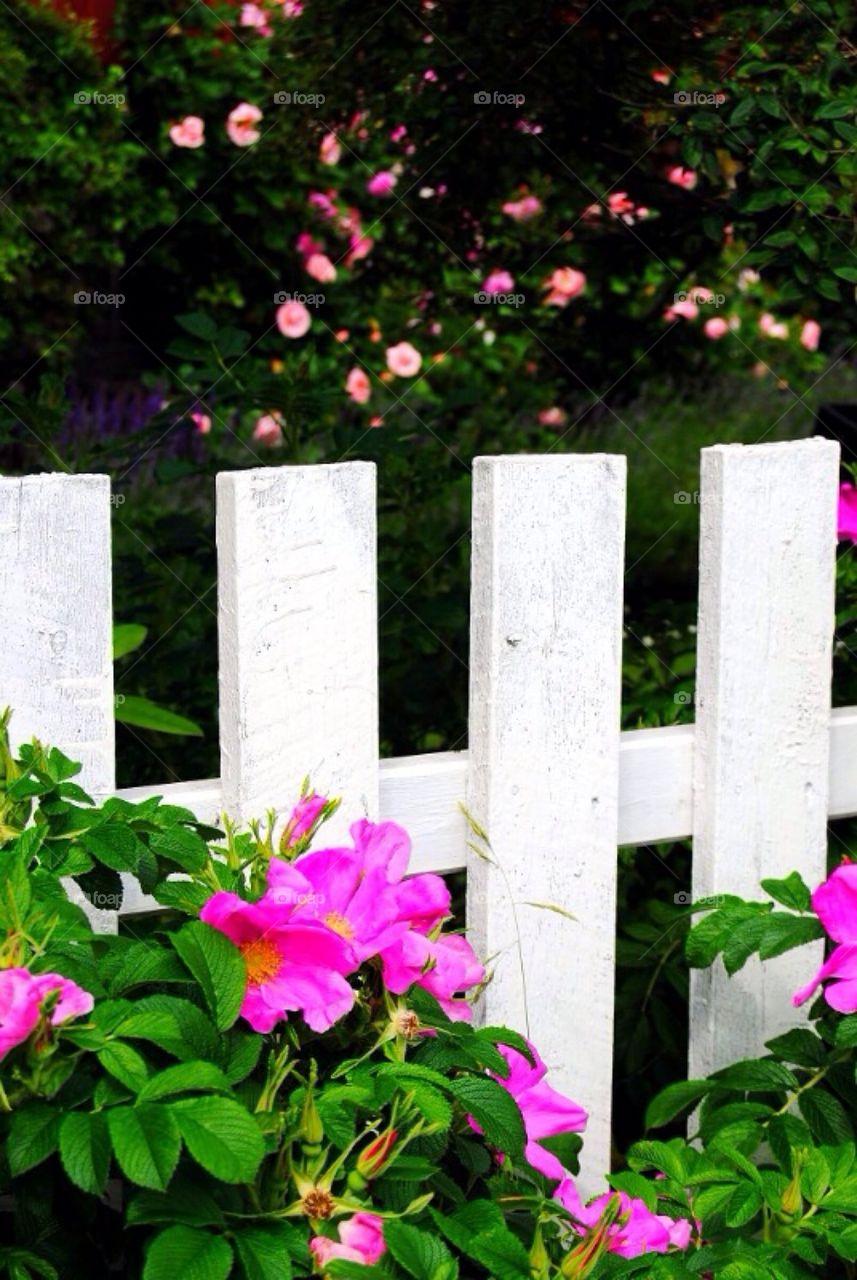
{"x": 338, "y": 924}
{"x": 262, "y": 959}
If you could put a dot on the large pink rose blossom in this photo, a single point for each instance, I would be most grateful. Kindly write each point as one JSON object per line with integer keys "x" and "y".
{"x": 636, "y": 1231}
{"x": 189, "y": 132}
{"x": 382, "y": 184}
{"x": 358, "y": 386}
{"x": 21, "y": 996}
{"x": 546, "y": 1112}
{"x": 319, "y": 266}
{"x": 241, "y": 122}
{"x": 291, "y": 966}
{"x": 446, "y": 968}
{"x": 404, "y": 360}
{"x": 361, "y": 1239}
{"x": 293, "y": 319}
{"x": 810, "y": 335}
{"x": 835, "y": 904}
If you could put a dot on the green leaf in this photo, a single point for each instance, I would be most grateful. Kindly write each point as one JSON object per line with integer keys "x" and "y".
{"x": 85, "y": 1150}
{"x": 672, "y": 1100}
{"x": 835, "y": 110}
{"x": 146, "y": 1142}
{"x": 125, "y": 1063}
{"x": 221, "y": 1136}
{"x": 33, "y": 1136}
{"x": 826, "y": 1116}
{"x": 263, "y": 1252}
{"x": 501, "y": 1253}
{"x": 184, "y": 1202}
{"x": 127, "y": 636}
{"x": 791, "y": 892}
{"x": 494, "y": 1110}
{"x": 189, "y": 1254}
{"x": 198, "y": 324}
{"x": 114, "y": 844}
{"x": 417, "y": 1252}
{"x": 185, "y": 1077}
{"x": 145, "y": 714}
{"x": 755, "y": 1076}
{"x": 846, "y": 273}
{"x": 218, "y": 967}
{"x": 188, "y": 850}
{"x": 665, "y": 1157}
{"x": 783, "y": 933}
{"x": 743, "y": 1205}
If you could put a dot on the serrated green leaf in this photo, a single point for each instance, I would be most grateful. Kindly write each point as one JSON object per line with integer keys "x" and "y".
{"x": 185, "y": 1077}
{"x": 125, "y": 1063}
{"x": 146, "y": 1143}
{"x": 84, "y": 1146}
{"x": 187, "y": 1253}
{"x": 218, "y": 967}
{"x": 417, "y": 1252}
{"x": 674, "y": 1099}
{"x": 263, "y": 1252}
{"x": 494, "y": 1110}
{"x": 221, "y": 1136}
{"x": 33, "y": 1136}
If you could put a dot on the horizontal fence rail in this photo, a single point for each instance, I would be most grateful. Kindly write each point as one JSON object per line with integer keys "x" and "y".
{"x": 547, "y": 773}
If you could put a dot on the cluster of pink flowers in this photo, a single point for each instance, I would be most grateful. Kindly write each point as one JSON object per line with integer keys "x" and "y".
{"x": 835, "y": 904}
{"x": 524, "y": 209}
{"x": 328, "y": 912}
{"x": 619, "y": 205}
{"x": 22, "y": 995}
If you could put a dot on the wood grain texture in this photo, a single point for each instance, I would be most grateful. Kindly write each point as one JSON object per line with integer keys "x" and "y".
{"x": 766, "y": 617}
{"x": 298, "y": 637}
{"x": 56, "y": 667}
{"x": 545, "y": 662}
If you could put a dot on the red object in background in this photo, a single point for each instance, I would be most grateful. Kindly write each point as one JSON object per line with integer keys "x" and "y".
{"x": 100, "y": 14}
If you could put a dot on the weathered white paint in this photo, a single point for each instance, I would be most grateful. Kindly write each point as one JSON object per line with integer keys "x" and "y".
{"x": 298, "y": 637}
{"x": 766, "y": 618}
{"x": 56, "y": 661}
{"x": 545, "y": 663}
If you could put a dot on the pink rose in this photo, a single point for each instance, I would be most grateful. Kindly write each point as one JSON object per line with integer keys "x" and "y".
{"x": 360, "y": 246}
{"x": 810, "y": 334}
{"x": 715, "y": 328}
{"x": 253, "y": 16}
{"x": 201, "y": 421}
{"x": 269, "y": 430}
{"x": 293, "y": 319}
{"x": 361, "y": 1239}
{"x": 553, "y": 417}
{"x": 773, "y": 328}
{"x": 404, "y": 360}
{"x": 398, "y": 133}
{"x": 330, "y": 151}
{"x": 319, "y": 266}
{"x": 358, "y": 386}
{"x": 382, "y": 184}
{"x": 21, "y": 996}
{"x": 686, "y": 308}
{"x": 564, "y": 284}
{"x": 292, "y": 8}
{"x": 679, "y": 176}
{"x": 189, "y": 132}
{"x": 498, "y": 282}
{"x": 522, "y": 210}
{"x": 240, "y": 124}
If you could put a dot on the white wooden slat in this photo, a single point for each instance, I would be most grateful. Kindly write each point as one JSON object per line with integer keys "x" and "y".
{"x": 56, "y": 669}
{"x": 766, "y": 616}
{"x": 545, "y": 661}
{"x": 298, "y": 637}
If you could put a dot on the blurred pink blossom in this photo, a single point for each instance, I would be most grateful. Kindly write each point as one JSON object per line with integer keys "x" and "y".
{"x": 524, "y": 209}
{"x": 202, "y": 422}
{"x": 553, "y": 417}
{"x": 269, "y": 429}
{"x": 810, "y": 335}
{"x": 382, "y": 183}
{"x": 357, "y": 385}
{"x": 319, "y": 266}
{"x": 403, "y": 359}
{"x": 398, "y": 133}
{"x": 189, "y": 132}
{"x": 773, "y": 328}
{"x": 715, "y": 328}
{"x": 330, "y": 150}
{"x": 293, "y": 319}
{"x": 254, "y": 16}
{"x": 680, "y": 176}
{"x": 498, "y": 282}
{"x": 240, "y": 124}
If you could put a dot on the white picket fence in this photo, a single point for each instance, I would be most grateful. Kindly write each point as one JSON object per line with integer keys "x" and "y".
{"x": 547, "y": 773}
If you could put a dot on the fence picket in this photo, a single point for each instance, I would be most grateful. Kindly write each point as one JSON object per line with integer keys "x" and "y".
{"x": 56, "y": 669}
{"x": 298, "y": 637}
{"x": 546, "y": 626}
{"x": 768, "y": 534}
